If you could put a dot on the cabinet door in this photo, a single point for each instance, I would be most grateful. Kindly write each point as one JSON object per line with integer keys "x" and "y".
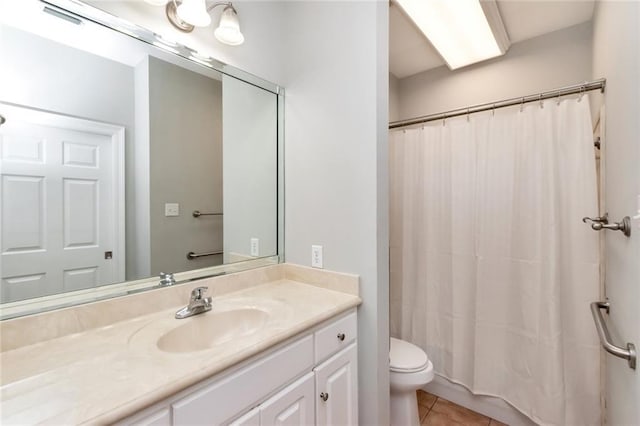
{"x": 223, "y": 400}
{"x": 337, "y": 389}
{"x": 252, "y": 418}
{"x": 293, "y": 406}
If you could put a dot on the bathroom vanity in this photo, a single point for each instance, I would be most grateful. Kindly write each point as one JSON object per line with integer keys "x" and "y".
{"x": 311, "y": 379}
{"x": 280, "y": 344}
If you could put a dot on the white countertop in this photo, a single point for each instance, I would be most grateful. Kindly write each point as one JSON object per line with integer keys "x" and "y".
{"x": 104, "y": 374}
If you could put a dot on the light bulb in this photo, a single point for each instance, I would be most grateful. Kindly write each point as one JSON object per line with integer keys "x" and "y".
{"x": 194, "y": 12}
{"x": 228, "y": 32}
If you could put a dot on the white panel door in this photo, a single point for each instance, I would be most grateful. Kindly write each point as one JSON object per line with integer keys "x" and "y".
{"x": 293, "y": 406}
{"x": 337, "y": 389}
{"x": 59, "y": 201}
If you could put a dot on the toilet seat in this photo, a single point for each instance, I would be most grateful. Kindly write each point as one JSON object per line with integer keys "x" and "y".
{"x": 410, "y": 370}
{"x": 405, "y": 357}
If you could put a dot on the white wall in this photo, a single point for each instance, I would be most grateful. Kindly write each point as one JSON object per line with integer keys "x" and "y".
{"x": 616, "y": 56}
{"x": 138, "y": 196}
{"x": 65, "y": 80}
{"x": 542, "y": 63}
{"x": 250, "y": 176}
{"x": 185, "y": 151}
{"x": 394, "y": 98}
{"x": 336, "y": 164}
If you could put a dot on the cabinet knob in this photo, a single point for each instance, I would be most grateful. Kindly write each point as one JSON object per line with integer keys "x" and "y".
{"x": 341, "y": 336}
{"x": 324, "y": 396}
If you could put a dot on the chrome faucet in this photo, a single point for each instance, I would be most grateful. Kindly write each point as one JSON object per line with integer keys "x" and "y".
{"x": 166, "y": 279}
{"x": 197, "y": 304}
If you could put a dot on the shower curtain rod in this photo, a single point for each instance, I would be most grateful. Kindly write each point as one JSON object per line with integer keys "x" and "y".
{"x": 556, "y": 93}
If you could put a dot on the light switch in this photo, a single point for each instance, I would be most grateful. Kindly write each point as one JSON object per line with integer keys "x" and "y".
{"x": 171, "y": 209}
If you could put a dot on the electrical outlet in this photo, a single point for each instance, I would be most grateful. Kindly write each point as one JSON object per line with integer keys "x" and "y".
{"x": 171, "y": 209}
{"x": 316, "y": 256}
{"x": 255, "y": 247}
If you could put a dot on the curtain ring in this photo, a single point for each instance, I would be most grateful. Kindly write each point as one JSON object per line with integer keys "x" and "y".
{"x": 444, "y": 119}
{"x": 467, "y": 115}
{"x": 558, "y": 101}
{"x": 522, "y": 104}
{"x": 493, "y": 110}
{"x": 582, "y": 89}
{"x": 540, "y": 100}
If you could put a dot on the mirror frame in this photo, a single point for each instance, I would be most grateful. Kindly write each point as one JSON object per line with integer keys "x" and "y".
{"x": 85, "y": 12}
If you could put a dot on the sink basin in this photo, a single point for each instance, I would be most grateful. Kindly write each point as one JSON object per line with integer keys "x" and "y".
{"x": 204, "y": 331}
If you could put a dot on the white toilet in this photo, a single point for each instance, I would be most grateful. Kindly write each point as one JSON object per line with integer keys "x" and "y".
{"x": 410, "y": 369}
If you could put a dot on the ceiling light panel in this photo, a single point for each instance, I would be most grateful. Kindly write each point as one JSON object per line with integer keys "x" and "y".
{"x": 459, "y": 29}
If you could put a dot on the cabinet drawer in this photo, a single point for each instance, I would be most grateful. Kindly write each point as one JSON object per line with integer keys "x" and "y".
{"x": 223, "y": 400}
{"x": 335, "y": 337}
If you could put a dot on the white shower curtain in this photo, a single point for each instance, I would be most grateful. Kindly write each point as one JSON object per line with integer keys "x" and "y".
{"x": 492, "y": 269}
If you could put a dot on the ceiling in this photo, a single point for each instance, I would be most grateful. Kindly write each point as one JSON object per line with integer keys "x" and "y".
{"x": 410, "y": 52}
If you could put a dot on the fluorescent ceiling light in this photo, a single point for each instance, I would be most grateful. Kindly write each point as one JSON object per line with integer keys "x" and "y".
{"x": 463, "y": 31}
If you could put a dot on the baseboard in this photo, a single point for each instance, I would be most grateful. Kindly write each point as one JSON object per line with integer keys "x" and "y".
{"x": 489, "y": 406}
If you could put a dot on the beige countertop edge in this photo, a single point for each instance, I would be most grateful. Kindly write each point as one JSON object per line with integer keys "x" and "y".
{"x": 115, "y": 414}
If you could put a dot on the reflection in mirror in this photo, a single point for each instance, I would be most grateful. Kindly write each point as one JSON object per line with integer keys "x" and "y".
{"x": 120, "y": 160}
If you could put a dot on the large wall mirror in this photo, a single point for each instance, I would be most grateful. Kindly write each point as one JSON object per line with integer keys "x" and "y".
{"x": 124, "y": 155}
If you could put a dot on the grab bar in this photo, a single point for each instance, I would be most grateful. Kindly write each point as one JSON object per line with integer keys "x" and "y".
{"x": 197, "y": 213}
{"x": 191, "y": 255}
{"x": 605, "y": 339}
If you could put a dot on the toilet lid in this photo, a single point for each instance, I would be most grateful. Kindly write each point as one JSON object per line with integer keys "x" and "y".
{"x": 406, "y": 357}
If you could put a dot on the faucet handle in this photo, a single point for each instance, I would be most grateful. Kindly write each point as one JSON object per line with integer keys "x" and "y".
{"x": 198, "y": 292}
{"x": 167, "y": 279}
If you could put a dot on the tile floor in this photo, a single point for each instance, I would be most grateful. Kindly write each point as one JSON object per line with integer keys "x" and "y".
{"x": 436, "y": 411}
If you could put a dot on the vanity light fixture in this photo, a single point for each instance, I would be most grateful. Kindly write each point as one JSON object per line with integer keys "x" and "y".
{"x": 187, "y": 14}
{"x": 462, "y": 31}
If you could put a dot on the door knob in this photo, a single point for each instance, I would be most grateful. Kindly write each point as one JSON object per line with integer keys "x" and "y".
{"x": 324, "y": 396}
{"x": 341, "y": 337}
